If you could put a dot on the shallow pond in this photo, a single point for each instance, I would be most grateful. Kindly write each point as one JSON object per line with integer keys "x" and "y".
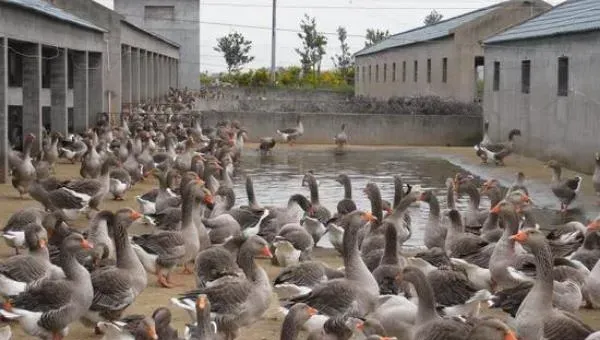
{"x": 278, "y": 176}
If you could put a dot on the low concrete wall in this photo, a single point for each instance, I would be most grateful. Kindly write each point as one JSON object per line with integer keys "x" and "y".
{"x": 362, "y": 129}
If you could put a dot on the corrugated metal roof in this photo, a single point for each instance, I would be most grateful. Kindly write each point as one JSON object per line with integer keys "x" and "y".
{"x": 50, "y": 10}
{"x": 569, "y": 17}
{"x": 442, "y": 29}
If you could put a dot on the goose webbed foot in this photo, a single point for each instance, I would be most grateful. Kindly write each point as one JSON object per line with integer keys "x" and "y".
{"x": 162, "y": 280}
{"x": 187, "y": 270}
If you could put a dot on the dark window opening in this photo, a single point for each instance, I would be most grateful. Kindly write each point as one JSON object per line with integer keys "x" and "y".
{"x": 46, "y": 73}
{"x": 15, "y": 126}
{"x": 370, "y": 78}
{"x": 525, "y": 76}
{"x": 70, "y": 121}
{"x": 364, "y": 73}
{"x": 15, "y": 69}
{"x": 429, "y": 70}
{"x": 393, "y": 72}
{"x": 47, "y": 118}
{"x": 496, "y": 85}
{"x": 377, "y": 73}
{"x": 384, "y": 73}
{"x": 444, "y": 70}
{"x": 563, "y": 76}
{"x": 416, "y": 71}
{"x": 404, "y": 71}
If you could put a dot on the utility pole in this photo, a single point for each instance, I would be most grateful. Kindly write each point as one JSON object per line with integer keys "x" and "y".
{"x": 273, "y": 43}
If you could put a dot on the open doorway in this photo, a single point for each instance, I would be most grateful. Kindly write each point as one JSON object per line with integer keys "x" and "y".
{"x": 479, "y": 75}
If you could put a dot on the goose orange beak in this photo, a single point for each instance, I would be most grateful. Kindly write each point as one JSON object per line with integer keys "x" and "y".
{"x": 152, "y": 333}
{"x": 312, "y": 311}
{"x": 495, "y": 209}
{"x": 368, "y": 216}
{"x": 135, "y": 215}
{"x": 267, "y": 252}
{"x": 201, "y": 301}
{"x": 360, "y": 326}
{"x": 208, "y": 199}
{"x": 525, "y": 199}
{"x": 42, "y": 243}
{"x": 85, "y": 244}
{"x": 594, "y": 225}
{"x": 422, "y": 197}
{"x": 520, "y": 237}
{"x": 510, "y": 335}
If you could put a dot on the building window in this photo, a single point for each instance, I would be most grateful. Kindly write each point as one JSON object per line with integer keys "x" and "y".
{"x": 429, "y": 70}
{"x": 384, "y": 73}
{"x": 364, "y": 73}
{"x": 70, "y": 121}
{"x": 370, "y": 74}
{"x": 563, "y": 76}
{"x": 46, "y": 70}
{"x": 47, "y": 118}
{"x": 525, "y": 76}
{"x": 357, "y": 72}
{"x": 393, "y": 72}
{"x": 416, "y": 71}
{"x": 159, "y": 12}
{"x": 496, "y": 85}
{"x": 444, "y": 70}
{"x": 404, "y": 71}
{"x": 70, "y": 72}
{"x": 15, "y": 69}
{"x": 377, "y": 73}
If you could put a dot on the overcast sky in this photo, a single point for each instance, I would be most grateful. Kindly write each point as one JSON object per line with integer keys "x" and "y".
{"x": 219, "y": 17}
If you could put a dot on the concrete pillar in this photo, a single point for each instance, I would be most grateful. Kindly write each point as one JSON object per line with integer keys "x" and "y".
{"x": 177, "y": 73}
{"x": 58, "y": 95}
{"x": 143, "y": 76}
{"x": 159, "y": 87}
{"x": 126, "y": 75}
{"x": 135, "y": 75}
{"x": 95, "y": 85}
{"x": 3, "y": 110}
{"x": 156, "y": 78}
{"x": 163, "y": 76}
{"x": 151, "y": 77}
{"x": 32, "y": 88}
{"x": 80, "y": 91}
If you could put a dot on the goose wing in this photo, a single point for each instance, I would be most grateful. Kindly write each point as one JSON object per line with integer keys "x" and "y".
{"x": 227, "y": 297}
{"x": 451, "y": 288}
{"x": 87, "y": 186}
{"x": 112, "y": 289}
{"x": 335, "y": 297}
{"x": 305, "y": 274}
{"x": 22, "y": 268}
{"x": 564, "y": 325}
{"x": 166, "y": 244}
{"x": 44, "y": 295}
{"x": 64, "y": 199}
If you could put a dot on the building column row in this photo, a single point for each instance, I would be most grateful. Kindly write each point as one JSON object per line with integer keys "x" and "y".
{"x": 4, "y": 147}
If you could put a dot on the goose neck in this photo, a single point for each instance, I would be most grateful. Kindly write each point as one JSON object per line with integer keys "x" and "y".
{"x": 314, "y": 190}
{"x": 187, "y": 208}
{"x": 250, "y": 192}
{"x": 434, "y": 207}
{"x": 347, "y": 189}
{"x": 246, "y": 262}
{"x": 289, "y": 329}
{"x": 73, "y": 270}
{"x": 377, "y": 207}
{"x": 474, "y": 197}
{"x": 398, "y": 192}
{"x": 426, "y": 308}
{"x": 544, "y": 265}
{"x": 390, "y": 250}
{"x": 556, "y": 174}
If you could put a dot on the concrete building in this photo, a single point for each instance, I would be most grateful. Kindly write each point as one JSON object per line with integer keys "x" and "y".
{"x": 140, "y": 65}
{"x": 542, "y": 77}
{"x": 177, "y": 20}
{"x": 63, "y": 62}
{"x": 444, "y": 59}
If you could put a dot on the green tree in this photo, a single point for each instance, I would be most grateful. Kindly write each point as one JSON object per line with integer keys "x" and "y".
{"x": 235, "y": 49}
{"x": 374, "y": 36}
{"x": 343, "y": 61}
{"x": 313, "y": 46}
{"x": 432, "y": 18}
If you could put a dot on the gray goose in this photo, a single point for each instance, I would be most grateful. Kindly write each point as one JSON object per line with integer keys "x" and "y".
{"x": 266, "y": 145}
{"x": 162, "y": 319}
{"x": 120, "y": 182}
{"x": 236, "y": 302}
{"x": 62, "y": 200}
{"x": 356, "y": 294}
{"x": 429, "y": 324}
{"x": 51, "y": 151}
{"x": 24, "y": 172}
{"x": 19, "y": 270}
{"x": 292, "y": 245}
{"x": 474, "y": 217}
{"x": 466, "y": 246}
{"x": 296, "y": 317}
{"x": 346, "y": 205}
{"x": 290, "y": 135}
{"x": 435, "y": 232}
{"x": 204, "y": 329}
{"x": 47, "y": 307}
{"x": 218, "y": 261}
{"x": 316, "y": 211}
{"x": 334, "y": 328}
{"x": 390, "y": 265}
{"x": 491, "y": 329}
{"x": 301, "y": 278}
{"x": 589, "y": 252}
{"x": 92, "y": 162}
{"x": 94, "y": 190}
{"x": 341, "y": 139}
{"x": 115, "y": 288}
{"x": 13, "y": 232}
{"x": 536, "y": 317}
{"x": 565, "y": 190}
{"x": 136, "y": 327}
{"x": 497, "y": 152}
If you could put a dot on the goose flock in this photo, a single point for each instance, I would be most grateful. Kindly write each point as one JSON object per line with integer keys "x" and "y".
{"x": 472, "y": 260}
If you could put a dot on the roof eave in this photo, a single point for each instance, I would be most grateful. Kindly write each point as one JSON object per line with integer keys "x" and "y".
{"x": 543, "y": 36}
{"x": 157, "y": 36}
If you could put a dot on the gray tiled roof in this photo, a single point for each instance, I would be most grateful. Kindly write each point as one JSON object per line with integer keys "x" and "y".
{"x": 50, "y": 10}
{"x": 426, "y": 33}
{"x": 569, "y": 17}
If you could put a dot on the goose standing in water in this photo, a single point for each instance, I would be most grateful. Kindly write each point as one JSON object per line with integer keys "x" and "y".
{"x": 291, "y": 135}
{"x": 341, "y": 139}
{"x": 319, "y": 213}
{"x": 497, "y": 152}
{"x": 346, "y": 205}
{"x": 266, "y": 145}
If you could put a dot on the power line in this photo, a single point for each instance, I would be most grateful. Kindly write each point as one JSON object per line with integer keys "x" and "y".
{"x": 232, "y": 4}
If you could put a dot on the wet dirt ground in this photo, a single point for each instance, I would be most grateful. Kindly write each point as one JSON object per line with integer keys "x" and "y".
{"x": 319, "y": 158}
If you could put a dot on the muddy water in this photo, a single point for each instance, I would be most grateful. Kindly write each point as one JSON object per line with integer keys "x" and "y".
{"x": 279, "y": 176}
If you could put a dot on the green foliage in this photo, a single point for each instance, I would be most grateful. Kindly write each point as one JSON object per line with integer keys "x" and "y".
{"x": 375, "y": 36}
{"x": 313, "y": 45}
{"x": 235, "y": 49}
{"x": 343, "y": 61}
{"x": 433, "y": 18}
